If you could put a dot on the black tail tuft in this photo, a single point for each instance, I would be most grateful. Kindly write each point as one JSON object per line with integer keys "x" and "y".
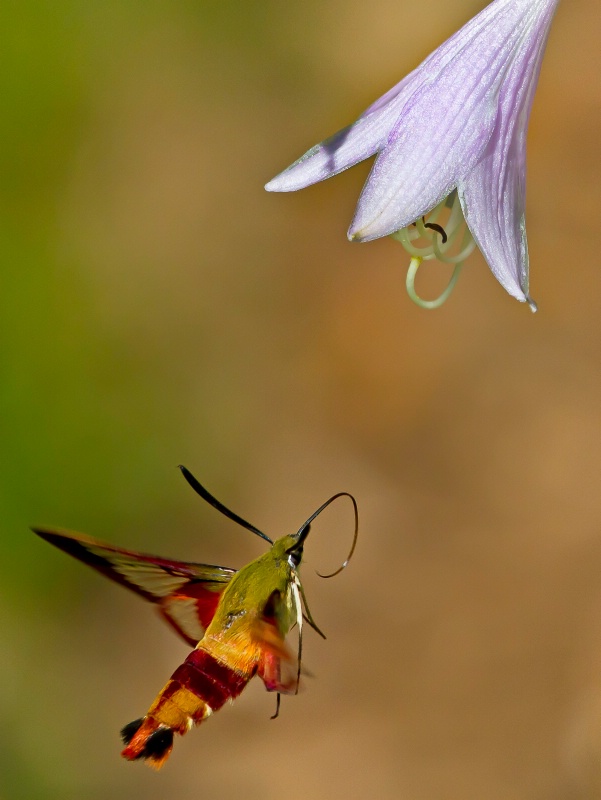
{"x": 158, "y": 745}
{"x": 129, "y": 731}
{"x": 149, "y": 740}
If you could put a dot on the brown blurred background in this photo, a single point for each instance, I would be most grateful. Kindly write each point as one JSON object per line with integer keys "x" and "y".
{"x": 158, "y": 307}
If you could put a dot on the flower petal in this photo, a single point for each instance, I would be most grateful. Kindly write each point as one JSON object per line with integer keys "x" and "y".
{"x": 493, "y": 194}
{"x": 369, "y": 134}
{"x": 346, "y": 148}
{"x": 446, "y": 124}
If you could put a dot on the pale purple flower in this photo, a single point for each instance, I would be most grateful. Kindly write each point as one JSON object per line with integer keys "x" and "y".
{"x": 451, "y": 134}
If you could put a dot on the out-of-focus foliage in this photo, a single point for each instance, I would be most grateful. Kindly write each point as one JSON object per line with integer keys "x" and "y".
{"x": 157, "y": 307}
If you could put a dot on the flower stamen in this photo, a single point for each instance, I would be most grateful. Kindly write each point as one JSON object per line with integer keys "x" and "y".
{"x": 414, "y": 265}
{"x": 442, "y": 242}
{"x": 435, "y": 227}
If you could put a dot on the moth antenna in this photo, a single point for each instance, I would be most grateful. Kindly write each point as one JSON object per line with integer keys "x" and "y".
{"x": 303, "y": 532}
{"x": 208, "y": 497}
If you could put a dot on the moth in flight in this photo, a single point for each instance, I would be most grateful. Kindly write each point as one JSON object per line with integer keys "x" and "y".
{"x": 237, "y": 622}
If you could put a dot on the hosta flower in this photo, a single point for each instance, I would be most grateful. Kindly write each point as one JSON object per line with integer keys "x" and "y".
{"x": 450, "y": 141}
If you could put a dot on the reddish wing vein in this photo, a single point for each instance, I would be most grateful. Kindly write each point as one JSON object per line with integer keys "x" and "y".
{"x": 186, "y": 593}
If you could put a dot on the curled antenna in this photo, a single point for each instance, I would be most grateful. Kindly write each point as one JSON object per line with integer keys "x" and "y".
{"x": 303, "y": 531}
{"x": 208, "y": 497}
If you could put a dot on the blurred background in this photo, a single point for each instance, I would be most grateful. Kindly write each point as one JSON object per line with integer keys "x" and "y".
{"x": 157, "y": 307}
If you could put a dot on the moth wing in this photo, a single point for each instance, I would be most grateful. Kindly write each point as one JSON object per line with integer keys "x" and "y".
{"x": 278, "y": 666}
{"x": 186, "y": 593}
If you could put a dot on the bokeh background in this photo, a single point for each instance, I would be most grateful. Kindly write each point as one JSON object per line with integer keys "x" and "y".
{"x": 158, "y": 307}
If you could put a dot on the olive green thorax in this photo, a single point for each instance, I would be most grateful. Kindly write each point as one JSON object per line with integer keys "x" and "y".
{"x": 250, "y": 590}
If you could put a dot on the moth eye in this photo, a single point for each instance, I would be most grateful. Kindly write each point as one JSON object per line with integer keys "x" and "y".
{"x": 129, "y": 731}
{"x": 158, "y": 743}
{"x": 295, "y": 557}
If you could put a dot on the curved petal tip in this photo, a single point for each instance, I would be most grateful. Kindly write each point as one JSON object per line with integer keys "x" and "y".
{"x": 532, "y": 304}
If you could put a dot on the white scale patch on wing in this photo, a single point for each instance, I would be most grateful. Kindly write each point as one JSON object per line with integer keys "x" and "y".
{"x": 150, "y": 577}
{"x": 184, "y": 613}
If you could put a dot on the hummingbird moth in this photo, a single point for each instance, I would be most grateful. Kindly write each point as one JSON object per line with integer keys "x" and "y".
{"x": 237, "y": 622}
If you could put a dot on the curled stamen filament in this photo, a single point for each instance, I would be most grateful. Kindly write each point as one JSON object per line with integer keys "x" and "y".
{"x": 440, "y": 238}
{"x": 414, "y": 265}
{"x": 467, "y": 246}
{"x": 404, "y": 237}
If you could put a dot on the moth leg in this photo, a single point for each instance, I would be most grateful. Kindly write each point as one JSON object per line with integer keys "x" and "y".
{"x": 278, "y": 698}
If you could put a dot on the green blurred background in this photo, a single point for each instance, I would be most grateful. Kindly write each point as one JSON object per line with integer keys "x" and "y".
{"x": 158, "y": 307}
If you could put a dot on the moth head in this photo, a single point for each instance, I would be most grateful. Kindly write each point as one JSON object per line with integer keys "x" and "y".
{"x": 295, "y": 552}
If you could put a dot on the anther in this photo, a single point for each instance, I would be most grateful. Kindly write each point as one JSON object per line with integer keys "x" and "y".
{"x": 438, "y": 228}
